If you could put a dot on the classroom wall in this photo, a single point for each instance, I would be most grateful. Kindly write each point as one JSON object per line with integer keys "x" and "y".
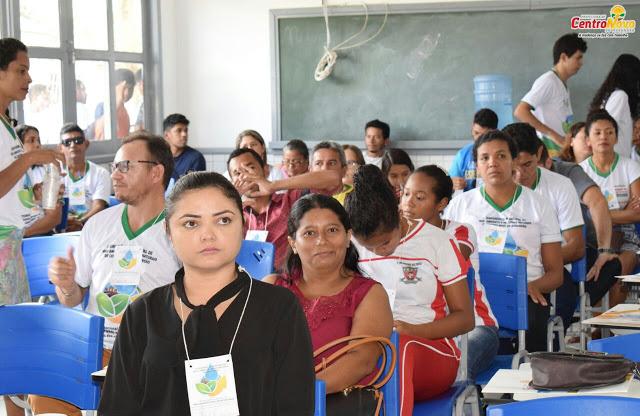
{"x": 216, "y": 65}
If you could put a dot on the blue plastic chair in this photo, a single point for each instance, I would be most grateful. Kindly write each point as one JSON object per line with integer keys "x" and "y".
{"x": 50, "y": 351}
{"x": 579, "y": 276}
{"x": 113, "y": 201}
{"x": 504, "y": 278}
{"x": 320, "y": 399}
{"x": 257, "y": 258}
{"x": 626, "y": 345}
{"x": 569, "y": 406}
{"x": 37, "y": 251}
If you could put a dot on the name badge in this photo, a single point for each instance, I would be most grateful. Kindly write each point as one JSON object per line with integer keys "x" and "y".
{"x": 612, "y": 200}
{"x": 492, "y": 239}
{"x": 257, "y": 235}
{"x": 77, "y": 193}
{"x": 128, "y": 259}
{"x": 211, "y": 386}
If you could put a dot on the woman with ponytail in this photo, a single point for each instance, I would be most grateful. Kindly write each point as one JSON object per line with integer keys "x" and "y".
{"x": 424, "y": 274}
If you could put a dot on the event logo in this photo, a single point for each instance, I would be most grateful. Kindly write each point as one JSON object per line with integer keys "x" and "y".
{"x": 613, "y": 25}
{"x": 114, "y": 299}
{"x": 493, "y": 239}
{"x": 76, "y": 192}
{"x": 127, "y": 262}
{"x": 211, "y": 383}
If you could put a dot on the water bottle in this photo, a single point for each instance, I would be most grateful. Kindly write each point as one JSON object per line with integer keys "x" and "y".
{"x": 494, "y": 92}
{"x": 50, "y": 186}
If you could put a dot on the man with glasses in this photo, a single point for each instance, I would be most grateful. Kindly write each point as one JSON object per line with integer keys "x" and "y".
{"x": 123, "y": 251}
{"x": 87, "y": 185}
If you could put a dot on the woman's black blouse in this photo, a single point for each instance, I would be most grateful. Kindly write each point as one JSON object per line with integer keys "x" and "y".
{"x": 272, "y": 356}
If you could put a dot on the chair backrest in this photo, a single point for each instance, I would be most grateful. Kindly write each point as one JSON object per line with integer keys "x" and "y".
{"x": 569, "y": 406}
{"x": 257, "y": 258}
{"x": 626, "y": 345}
{"x": 579, "y": 267}
{"x": 50, "y": 351}
{"x": 113, "y": 201}
{"x": 504, "y": 278}
{"x": 37, "y": 251}
{"x": 320, "y": 399}
{"x": 63, "y": 216}
{"x": 391, "y": 390}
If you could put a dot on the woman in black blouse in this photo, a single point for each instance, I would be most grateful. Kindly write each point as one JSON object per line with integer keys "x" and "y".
{"x": 223, "y": 311}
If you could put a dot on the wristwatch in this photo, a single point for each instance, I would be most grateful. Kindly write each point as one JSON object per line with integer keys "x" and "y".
{"x": 607, "y": 250}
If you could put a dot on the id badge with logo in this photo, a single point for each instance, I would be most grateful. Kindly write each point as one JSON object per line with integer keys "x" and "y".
{"x": 257, "y": 235}
{"x": 492, "y": 239}
{"x": 77, "y": 193}
{"x": 211, "y": 386}
{"x": 612, "y": 200}
{"x": 128, "y": 259}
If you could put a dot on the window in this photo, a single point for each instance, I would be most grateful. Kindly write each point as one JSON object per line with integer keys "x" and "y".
{"x": 88, "y": 62}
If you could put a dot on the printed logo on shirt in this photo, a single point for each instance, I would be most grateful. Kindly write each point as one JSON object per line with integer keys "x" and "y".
{"x": 128, "y": 261}
{"x": 493, "y": 239}
{"x": 510, "y": 247}
{"x": 76, "y": 193}
{"x": 26, "y": 198}
{"x": 470, "y": 174}
{"x": 211, "y": 383}
{"x": 114, "y": 299}
{"x": 410, "y": 273}
{"x": 613, "y": 25}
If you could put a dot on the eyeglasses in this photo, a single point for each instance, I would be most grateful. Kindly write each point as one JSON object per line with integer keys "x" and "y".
{"x": 292, "y": 162}
{"x": 78, "y": 140}
{"x": 124, "y": 165}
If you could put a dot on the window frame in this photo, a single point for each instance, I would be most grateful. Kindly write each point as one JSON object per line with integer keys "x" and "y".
{"x": 150, "y": 58}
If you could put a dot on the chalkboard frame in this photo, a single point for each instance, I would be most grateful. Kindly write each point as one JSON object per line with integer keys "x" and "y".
{"x": 445, "y": 146}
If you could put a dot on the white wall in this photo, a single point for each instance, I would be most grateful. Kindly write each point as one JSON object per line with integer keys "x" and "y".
{"x": 216, "y": 64}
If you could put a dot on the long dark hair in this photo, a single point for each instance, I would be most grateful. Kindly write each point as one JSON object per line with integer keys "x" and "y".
{"x": 293, "y": 265}
{"x": 372, "y": 205}
{"x": 624, "y": 75}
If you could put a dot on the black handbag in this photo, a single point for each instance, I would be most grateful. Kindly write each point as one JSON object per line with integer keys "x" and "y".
{"x": 359, "y": 400}
{"x": 567, "y": 371}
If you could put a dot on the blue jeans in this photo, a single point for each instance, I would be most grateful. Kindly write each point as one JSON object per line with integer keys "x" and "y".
{"x": 482, "y": 348}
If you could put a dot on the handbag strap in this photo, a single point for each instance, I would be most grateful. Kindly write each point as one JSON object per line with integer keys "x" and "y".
{"x": 355, "y": 341}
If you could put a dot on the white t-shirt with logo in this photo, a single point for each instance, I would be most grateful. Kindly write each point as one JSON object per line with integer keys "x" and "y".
{"x": 119, "y": 265}
{"x": 96, "y": 184}
{"x": 615, "y": 185}
{"x": 425, "y": 260}
{"x": 617, "y": 106}
{"x": 562, "y": 195}
{"x": 466, "y": 235}
{"x": 519, "y": 228}
{"x": 17, "y": 207}
{"x": 551, "y": 103}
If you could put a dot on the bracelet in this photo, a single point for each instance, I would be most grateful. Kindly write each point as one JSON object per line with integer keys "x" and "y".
{"x": 65, "y": 294}
{"x": 607, "y": 250}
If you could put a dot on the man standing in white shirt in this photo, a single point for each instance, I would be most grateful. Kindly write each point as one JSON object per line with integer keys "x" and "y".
{"x": 547, "y": 105}
{"x": 376, "y": 138}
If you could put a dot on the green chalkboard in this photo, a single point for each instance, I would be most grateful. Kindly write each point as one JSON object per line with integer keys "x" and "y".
{"x": 424, "y": 96}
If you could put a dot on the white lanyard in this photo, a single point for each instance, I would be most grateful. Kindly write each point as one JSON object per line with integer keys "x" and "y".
{"x": 184, "y": 338}
{"x": 266, "y": 218}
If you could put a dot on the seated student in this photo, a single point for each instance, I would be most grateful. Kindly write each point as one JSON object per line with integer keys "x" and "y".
{"x": 265, "y": 210}
{"x": 603, "y": 264}
{"x": 426, "y": 195}
{"x": 512, "y": 219}
{"x": 295, "y": 158}
{"x": 251, "y": 139}
{"x": 576, "y": 149}
{"x": 185, "y": 159}
{"x": 87, "y": 185}
{"x": 617, "y": 178}
{"x": 46, "y": 219}
{"x": 563, "y": 197}
{"x": 322, "y": 271}
{"x": 376, "y": 137}
{"x": 619, "y": 95}
{"x": 424, "y": 274}
{"x": 547, "y": 106}
{"x": 329, "y": 155}
{"x": 463, "y": 168}
{"x": 216, "y": 341}
{"x": 397, "y": 166}
{"x": 355, "y": 159}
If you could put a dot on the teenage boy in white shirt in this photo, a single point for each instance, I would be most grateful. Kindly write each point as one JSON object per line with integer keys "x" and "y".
{"x": 547, "y": 105}
{"x": 376, "y": 138}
